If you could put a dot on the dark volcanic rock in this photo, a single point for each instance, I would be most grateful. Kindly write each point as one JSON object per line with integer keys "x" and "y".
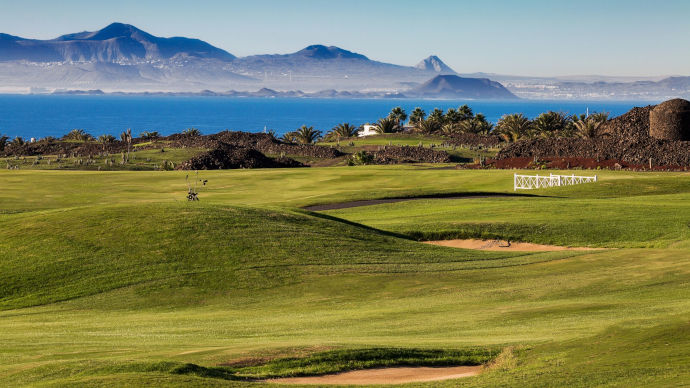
{"x": 406, "y": 154}
{"x": 636, "y": 151}
{"x": 670, "y": 120}
{"x": 632, "y": 125}
{"x": 231, "y": 157}
{"x": 260, "y": 141}
{"x": 473, "y": 139}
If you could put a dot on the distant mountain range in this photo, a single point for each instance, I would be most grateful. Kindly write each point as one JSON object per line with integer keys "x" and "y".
{"x": 121, "y": 57}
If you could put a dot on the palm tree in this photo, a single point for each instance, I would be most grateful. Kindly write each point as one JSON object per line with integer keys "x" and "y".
{"x": 450, "y": 128}
{"x": 307, "y": 135}
{"x": 588, "y": 126}
{"x": 387, "y": 125}
{"x": 398, "y": 114}
{"x": 428, "y": 126}
{"x": 149, "y": 135}
{"x": 18, "y": 141}
{"x": 3, "y": 141}
{"x": 452, "y": 116}
{"x": 437, "y": 115}
{"x": 417, "y": 116}
{"x": 465, "y": 112}
{"x": 77, "y": 135}
{"x": 341, "y": 131}
{"x": 551, "y": 124}
{"x": 106, "y": 139}
{"x": 191, "y": 132}
{"x": 513, "y": 127}
{"x": 289, "y": 137}
{"x": 126, "y": 137}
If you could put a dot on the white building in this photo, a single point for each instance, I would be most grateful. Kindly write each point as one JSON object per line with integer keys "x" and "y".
{"x": 367, "y": 130}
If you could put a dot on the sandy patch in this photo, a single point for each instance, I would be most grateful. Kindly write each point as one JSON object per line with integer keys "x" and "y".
{"x": 502, "y": 245}
{"x": 385, "y": 376}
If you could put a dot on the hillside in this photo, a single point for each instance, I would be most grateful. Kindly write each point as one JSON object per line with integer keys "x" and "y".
{"x": 453, "y": 86}
{"x": 116, "y": 43}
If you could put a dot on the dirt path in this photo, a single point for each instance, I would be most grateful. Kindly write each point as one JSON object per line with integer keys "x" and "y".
{"x": 347, "y": 205}
{"x": 501, "y": 245}
{"x": 385, "y": 376}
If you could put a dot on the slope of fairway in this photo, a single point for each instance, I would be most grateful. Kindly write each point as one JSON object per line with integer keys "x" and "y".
{"x": 184, "y": 253}
{"x": 111, "y": 280}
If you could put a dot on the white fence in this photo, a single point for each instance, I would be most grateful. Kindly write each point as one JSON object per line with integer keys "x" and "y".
{"x": 528, "y": 182}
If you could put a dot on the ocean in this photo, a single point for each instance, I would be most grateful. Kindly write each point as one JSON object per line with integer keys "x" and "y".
{"x": 54, "y": 115}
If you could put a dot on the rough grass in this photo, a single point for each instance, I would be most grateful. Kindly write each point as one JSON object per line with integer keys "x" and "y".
{"x": 344, "y": 360}
{"x": 109, "y": 279}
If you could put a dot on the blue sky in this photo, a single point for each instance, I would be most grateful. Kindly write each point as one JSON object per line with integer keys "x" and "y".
{"x": 529, "y": 37}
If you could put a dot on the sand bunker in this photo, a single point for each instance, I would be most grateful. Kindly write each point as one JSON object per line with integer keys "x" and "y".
{"x": 502, "y": 245}
{"x": 385, "y": 376}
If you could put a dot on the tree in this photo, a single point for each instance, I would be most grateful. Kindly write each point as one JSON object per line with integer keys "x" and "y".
{"x": 437, "y": 115}
{"x": 484, "y": 127}
{"x": 478, "y": 125}
{"x": 126, "y": 138}
{"x": 551, "y": 124}
{"x": 459, "y": 115}
{"x": 149, "y": 135}
{"x": 105, "y": 140}
{"x": 398, "y": 114}
{"x": 465, "y": 112}
{"x": 418, "y": 115}
{"x": 307, "y": 135}
{"x": 3, "y": 141}
{"x": 289, "y": 137}
{"x": 191, "y": 132}
{"x": 588, "y": 126}
{"x": 451, "y": 128}
{"x": 387, "y": 125}
{"x": 341, "y": 131}
{"x": 513, "y": 127}
{"x": 452, "y": 116}
{"x": 429, "y": 126}
{"x": 77, "y": 135}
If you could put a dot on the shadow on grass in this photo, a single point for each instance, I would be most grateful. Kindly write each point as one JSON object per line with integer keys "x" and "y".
{"x": 461, "y": 195}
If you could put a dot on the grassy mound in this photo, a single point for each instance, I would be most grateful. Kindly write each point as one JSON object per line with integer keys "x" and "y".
{"x": 186, "y": 253}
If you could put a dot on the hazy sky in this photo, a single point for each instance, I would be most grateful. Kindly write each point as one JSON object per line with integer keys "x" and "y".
{"x": 528, "y": 37}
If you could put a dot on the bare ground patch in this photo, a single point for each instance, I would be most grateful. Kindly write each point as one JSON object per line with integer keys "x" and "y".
{"x": 385, "y": 376}
{"x": 503, "y": 245}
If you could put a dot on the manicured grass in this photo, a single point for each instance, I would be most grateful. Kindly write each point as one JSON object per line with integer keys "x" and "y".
{"x": 111, "y": 279}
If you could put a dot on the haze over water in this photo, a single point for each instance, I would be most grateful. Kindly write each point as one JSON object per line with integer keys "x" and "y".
{"x": 42, "y": 115}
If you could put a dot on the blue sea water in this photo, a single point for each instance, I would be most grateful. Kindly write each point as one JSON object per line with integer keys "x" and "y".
{"x": 54, "y": 115}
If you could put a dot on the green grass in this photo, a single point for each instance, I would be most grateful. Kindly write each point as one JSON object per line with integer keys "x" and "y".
{"x": 111, "y": 279}
{"x": 139, "y": 160}
{"x": 344, "y": 360}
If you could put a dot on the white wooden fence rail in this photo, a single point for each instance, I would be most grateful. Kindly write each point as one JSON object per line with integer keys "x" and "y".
{"x": 528, "y": 182}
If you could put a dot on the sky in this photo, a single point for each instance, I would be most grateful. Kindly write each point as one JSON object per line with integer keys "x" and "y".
{"x": 528, "y": 37}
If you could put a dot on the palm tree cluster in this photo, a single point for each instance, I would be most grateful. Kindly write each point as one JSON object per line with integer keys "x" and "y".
{"x": 77, "y": 135}
{"x": 453, "y": 121}
{"x": 303, "y": 135}
{"x": 516, "y": 126}
{"x": 341, "y": 131}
